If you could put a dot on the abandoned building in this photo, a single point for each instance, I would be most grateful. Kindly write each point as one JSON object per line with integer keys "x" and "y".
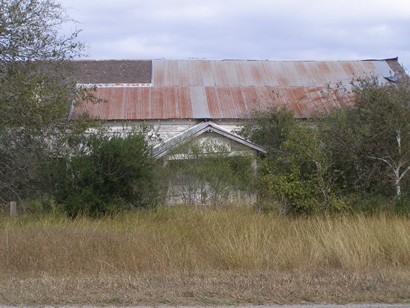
{"x": 197, "y": 100}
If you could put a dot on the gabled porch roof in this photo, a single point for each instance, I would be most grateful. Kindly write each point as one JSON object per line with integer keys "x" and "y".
{"x": 204, "y": 127}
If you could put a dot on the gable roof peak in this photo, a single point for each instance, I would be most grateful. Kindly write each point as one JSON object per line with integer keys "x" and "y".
{"x": 203, "y": 127}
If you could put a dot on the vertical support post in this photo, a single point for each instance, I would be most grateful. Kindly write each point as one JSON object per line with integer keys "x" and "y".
{"x": 13, "y": 208}
{"x": 253, "y": 196}
{"x": 254, "y": 165}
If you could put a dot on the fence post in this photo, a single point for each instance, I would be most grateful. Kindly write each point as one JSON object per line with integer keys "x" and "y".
{"x": 13, "y": 208}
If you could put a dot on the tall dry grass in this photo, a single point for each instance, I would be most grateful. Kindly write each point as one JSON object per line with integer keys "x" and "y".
{"x": 191, "y": 240}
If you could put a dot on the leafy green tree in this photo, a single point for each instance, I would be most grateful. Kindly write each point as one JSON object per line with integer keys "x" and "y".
{"x": 295, "y": 172}
{"x": 37, "y": 94}
{"x": 370, "y": 141}
{"x": 29, "y": 31}
{"x": 270, "y": 129}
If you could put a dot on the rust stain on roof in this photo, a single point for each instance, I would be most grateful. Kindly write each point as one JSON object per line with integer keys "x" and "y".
{"x": 196, "y": 89}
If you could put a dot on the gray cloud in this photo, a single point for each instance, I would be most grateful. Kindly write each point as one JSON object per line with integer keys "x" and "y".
{"x": 258, "y": 29}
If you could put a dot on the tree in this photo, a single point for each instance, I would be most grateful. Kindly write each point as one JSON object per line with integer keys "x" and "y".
{"x": 295, "y": 171}
{"x": 29, "y": 32}
{"x": 37, "y": 93}
{"x": 270, "y": 129}
{"x": 370, "y": 141}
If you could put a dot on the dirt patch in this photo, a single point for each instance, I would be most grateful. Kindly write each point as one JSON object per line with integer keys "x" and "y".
{"x": 199, "y": 289}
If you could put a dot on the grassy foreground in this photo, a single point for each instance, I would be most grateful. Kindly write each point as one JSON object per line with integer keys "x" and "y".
{"x": 186, "y": 255}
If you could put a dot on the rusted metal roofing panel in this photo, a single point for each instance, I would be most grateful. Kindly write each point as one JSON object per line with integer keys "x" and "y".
{"x": 200, "y": 109}
{"x": 118, "y": 110}
{"x": 171, "y": 106}
{"x": 222, "y": 72}
{"x": 144, "y": 96}
{"x": 184, "y": 89}
{"x": 227, "y": 104}
{"x": 158, "y": 73}
{"x": 183, "y": 73}
{"x": 270, "y": 73}
{"x": 230, "y": 69}
{"x": 265, "y": 95}
{"x": 157, "y": 103}
{"x": 134, "y": 109}
{"x": 243, "y": 74}
{"x": 251, "y": 98}
{"x": 258, "y": 73}
{"x": 382, "y": 67}
{"x": 302, "y": 71}
{"x": 297, "y": 102}
{"x": 238, "y": 100}
{"x": 171, "y": 77}
{"x": 282, "y": 74}
{"x": 208, "y": 72}
{"x": 214, "y": 106}
{"x": 107, "y": 109}
{"x": 185, "y": 103}
{"x": 195, "y": 72}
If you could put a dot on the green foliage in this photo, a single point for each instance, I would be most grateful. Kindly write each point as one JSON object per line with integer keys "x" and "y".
{"x": 207, "y": 174}
{"x": 356, "y": 157}
{"x": 370, "y": 142}
{"x": 37, "y": 92}
{"x": 270, "y": 129}
{"x": 29, "y": 30}
{"x": 115, "y": 173}
{"x": 296, "y": 169}
{"x": 35, "y": 128}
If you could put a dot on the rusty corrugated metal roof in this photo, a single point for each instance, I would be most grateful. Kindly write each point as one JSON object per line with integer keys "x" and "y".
{"x": 213, "y": 89}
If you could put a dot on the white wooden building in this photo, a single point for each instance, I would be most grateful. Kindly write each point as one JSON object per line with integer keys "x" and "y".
{"x": 185, "y": 100}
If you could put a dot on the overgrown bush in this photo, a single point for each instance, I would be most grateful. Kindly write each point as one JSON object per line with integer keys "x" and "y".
{"x": 115, "y": 173}
{"x": 37, "y": 90}
{"x": 294, "y": 175}
{"x": 370, "y": 141}
{"x": 208, "y": 174}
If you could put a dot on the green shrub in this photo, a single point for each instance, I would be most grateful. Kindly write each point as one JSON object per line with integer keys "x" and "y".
{"x": 114, "y": 174}
{"x": 295, "y": 172}
{"x": 209, "y": 174}
{"x": 372, "y": 203}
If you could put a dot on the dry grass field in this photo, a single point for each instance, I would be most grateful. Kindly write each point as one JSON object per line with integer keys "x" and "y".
{"x": 187, "y": 255}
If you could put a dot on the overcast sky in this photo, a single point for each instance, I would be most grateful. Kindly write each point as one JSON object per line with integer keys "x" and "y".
{"x": 244, "y": 29}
